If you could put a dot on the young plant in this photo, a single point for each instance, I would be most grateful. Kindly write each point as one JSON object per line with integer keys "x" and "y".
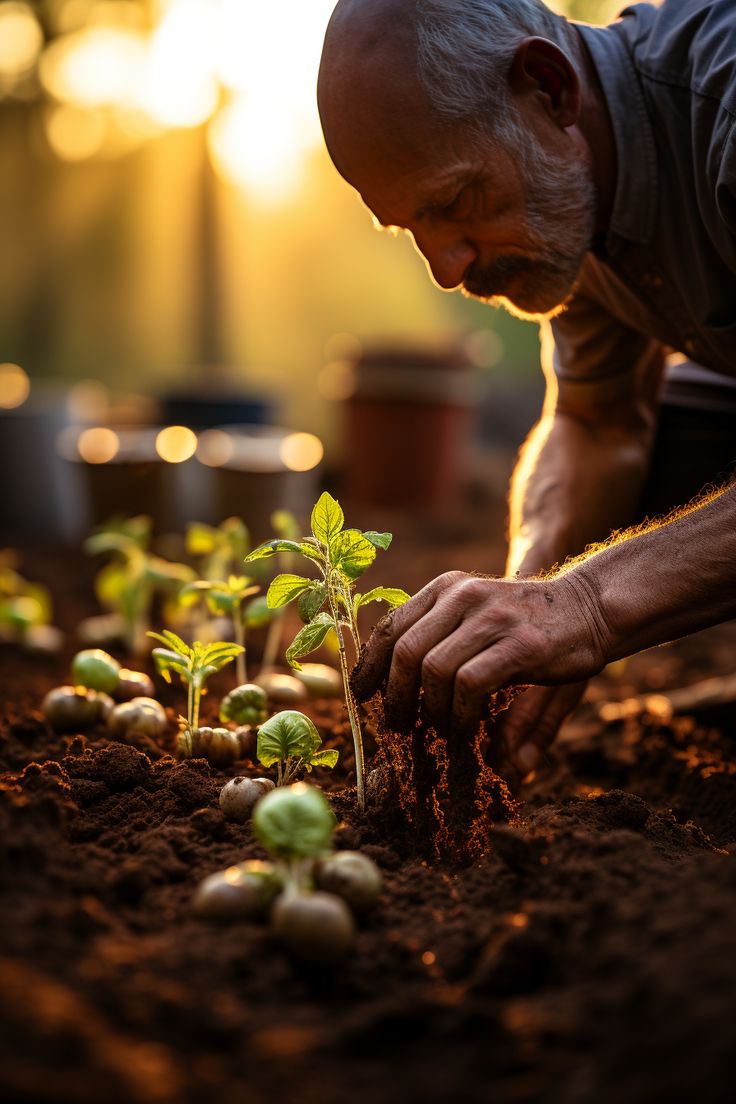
{"x": 286, "y": 527}
{"x": 220, "y": 550}
{"x": 330, "y": 601}
{"x": 193, "y": 665}
{"x": 225, "y": 599}
{"x": 128, "y": 583}
{"x": 25, "y": 609}
{"x": 291, "y": 741}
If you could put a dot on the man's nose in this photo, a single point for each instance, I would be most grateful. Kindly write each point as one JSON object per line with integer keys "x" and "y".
{"x": 448, "y": 258}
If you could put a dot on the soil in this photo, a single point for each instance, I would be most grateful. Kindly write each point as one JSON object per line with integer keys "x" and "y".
{"x": 582, "y": 949}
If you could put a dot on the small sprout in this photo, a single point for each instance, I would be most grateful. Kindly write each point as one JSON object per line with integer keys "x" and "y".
{"x": 242, "y": 891}
{"x": 330, "y": 603}
{"x": 96, "y": 670}
{"x": 352, "y": 876}
{"x": 239, "y": 796}
{"x": 139, "y": 717}
{"x": 193, "y": 665}
{"x": 133, "y": 684}
{"x": 225, "y": 597}
{"x": 320, "y": 680}
{"x": 295, "y": 822}
{"x": 245, "y": 705}
{"x": 291, "y": 741}
{"x": 283, "y": 689}
{"x": 219, "y": 746}
{"x": 317, "y": 928}
{"x": 69, "y": 708}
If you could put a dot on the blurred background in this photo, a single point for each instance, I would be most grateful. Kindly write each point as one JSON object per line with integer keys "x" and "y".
{"x": 195, "y": 310}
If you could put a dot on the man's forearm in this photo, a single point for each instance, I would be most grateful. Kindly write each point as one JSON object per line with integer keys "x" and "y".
{"x": 665, "y": 582}
{"x": 574, "y": 484}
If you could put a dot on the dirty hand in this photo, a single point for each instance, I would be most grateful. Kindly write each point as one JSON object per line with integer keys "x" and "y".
{"x": 526, "y": 729}
{"x": 463, "y": 637}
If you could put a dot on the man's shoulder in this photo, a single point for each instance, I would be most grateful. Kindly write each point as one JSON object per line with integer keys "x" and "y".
{"x": 690, "y": 44}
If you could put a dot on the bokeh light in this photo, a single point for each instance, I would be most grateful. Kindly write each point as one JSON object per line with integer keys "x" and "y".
{"x": 74, "y": 134}
{"x": 215, "y": 448}
{"x": 21, "y": 40}
{"x": 97, "y": 67}
{"x": 15, "y": 386}
{"x": 175, "y": 444}
{"x": 98, "y": 445}
{"x": 301, "y": 451}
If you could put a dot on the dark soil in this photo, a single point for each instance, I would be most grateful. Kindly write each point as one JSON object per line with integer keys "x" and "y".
{"x": 586, "y": 954}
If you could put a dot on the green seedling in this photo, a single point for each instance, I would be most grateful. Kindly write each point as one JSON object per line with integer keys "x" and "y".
{"x": 225, "y": 598}
{"x": 220, "y": 550}
{"x": 297, "y": 825}
{"x": 25, "y": 609}
{"x": 96, "y": 670}
{"x": 291, "y": 741}
{"x": 128, "y": 583}
{"x": 245, "y": 705}
{"x": 330, "y": 601}
{"x": 193, "y": 664}
{"x": 286, "y": 527}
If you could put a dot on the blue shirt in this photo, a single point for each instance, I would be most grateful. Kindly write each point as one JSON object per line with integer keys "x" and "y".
{"x": 664, "y": 278}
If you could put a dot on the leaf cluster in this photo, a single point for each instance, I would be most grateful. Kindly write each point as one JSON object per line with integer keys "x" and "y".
{"x": 291, "y": 740}
{"x": 194, "y": 664}
{"x": 223, "y": 597}
{"x": 341, "y": 556}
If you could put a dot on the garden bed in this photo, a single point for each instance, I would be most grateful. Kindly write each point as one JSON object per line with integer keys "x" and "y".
{"x": 589, "y": 955}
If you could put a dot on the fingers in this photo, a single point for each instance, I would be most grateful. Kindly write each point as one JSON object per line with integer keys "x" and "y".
{"x": 531, "y": 724}
{"x": 375, "y": 662}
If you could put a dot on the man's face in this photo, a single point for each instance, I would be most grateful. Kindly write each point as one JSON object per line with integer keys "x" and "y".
{"x": 505, "y": 226}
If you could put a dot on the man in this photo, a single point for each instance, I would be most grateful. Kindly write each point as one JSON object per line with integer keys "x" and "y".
{"x": 587, "y": 177}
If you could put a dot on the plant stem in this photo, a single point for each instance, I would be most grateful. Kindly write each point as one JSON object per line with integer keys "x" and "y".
{"x": 349, "y": 699}
{"x": 271, "y": 647}
{"x": 279, "y": 776}
{"x": 240, "y": 671}
{"x": 190, "y": 702}
{"x": 196, "y": 694}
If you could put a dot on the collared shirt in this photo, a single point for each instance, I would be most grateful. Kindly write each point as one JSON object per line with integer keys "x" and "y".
{"x": 665, "y": 275}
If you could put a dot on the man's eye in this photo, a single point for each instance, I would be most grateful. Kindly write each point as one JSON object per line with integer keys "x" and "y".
{"x": 461, "y": 205}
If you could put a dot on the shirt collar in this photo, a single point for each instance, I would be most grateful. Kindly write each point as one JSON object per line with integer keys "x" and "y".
{"x": 634, "y": 205}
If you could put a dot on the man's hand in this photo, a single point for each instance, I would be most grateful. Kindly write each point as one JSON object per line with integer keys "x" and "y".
{"x": 463, "y": 637}
{"x": 531, "y": 723}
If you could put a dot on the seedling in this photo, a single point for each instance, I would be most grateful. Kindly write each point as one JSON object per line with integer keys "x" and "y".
{"x": 128, "y": 583}
{"x": 226, "y": 599}
{"x": 330, "y": 601}
{"x": 193, "y": 665}
{"x": 296, "y": 825}
{"x": 25, "y": 609}
{"x": 220, "y": 550}
{"x": 292, "y": 742}
{"x": 286, "y": 527}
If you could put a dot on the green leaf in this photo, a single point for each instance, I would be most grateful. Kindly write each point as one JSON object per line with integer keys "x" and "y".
{"x": 327, "y": 518}
{"x": 324, "y": 759}
{"x": 171, "y": 640}
{"x": 286, "y": 735}
{"x": 257, "y": 613}
{"x": 308, "y": 639}
{"x": 285, "y": 588}
{"x": 352, "y": 553}
{"x": 393, "y": 595}
{"x": 270, "y": 548}
{"x": 295, "y": 821}
{"x": 166, "y": 661}
{"x": 380, "y": 540}
{"x": 201, "y": 539}
{"x": 311, "y": 601}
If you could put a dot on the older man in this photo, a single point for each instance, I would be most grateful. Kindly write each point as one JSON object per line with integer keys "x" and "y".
{"x": 587, "y": 177}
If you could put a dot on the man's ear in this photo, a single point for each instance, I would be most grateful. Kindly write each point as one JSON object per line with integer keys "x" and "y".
{"x": 542, "y": 68}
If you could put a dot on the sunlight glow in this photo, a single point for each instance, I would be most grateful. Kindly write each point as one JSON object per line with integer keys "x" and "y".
{"x": 301, "y": 451}
{"x": 98, "y": 445}
{"x": 74, "y": 134}
{"x": 21, "y": 40}
{"x": 175, "y": 444}
{"x": 15, "y": 386}
{"x": 179, "y": 87}
{"x": 258, "y": 146}
{"x": 97, "y": 67}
